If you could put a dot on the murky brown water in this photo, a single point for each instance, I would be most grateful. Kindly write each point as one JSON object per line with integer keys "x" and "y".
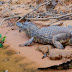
{"x": 11, "y": 61}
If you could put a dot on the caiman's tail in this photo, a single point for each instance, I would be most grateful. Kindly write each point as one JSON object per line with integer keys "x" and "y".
{"x": 67, "y": 65}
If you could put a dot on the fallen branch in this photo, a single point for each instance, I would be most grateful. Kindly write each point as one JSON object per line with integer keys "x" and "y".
{"x": 9, "y": 18}
{"x": 67, "y": 8}
{"x": 52, "y": 22}
{"x": 39, "y": 19}
{"x": 21, "y": 17}
{"x": 36, "y": 19}
{"x": 8, "y": 8}
{"x": 59, "y": 24}
{"x": 32, "y": 10}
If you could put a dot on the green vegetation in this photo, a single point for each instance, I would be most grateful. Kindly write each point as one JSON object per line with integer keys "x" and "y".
{"x": 2, "y": 39}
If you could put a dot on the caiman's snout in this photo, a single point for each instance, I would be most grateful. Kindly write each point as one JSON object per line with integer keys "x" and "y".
{"x": 19, "y": 24}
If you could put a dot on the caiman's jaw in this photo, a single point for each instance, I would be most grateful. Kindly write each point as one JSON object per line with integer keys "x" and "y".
{"x": 20, "y": 25}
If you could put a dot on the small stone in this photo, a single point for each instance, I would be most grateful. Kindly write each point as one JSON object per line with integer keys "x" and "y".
{"x": 17, "y": 52}
{"x": 44, "y": 49}
{"x": 12, "y": 28}
{"x": 6, "y": 71}
{"x": 5, "y": 60}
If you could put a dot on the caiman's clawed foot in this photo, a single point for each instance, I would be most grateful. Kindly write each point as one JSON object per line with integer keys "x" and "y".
{"x": 29, "y": 42}
{"x": 22, "y": 45}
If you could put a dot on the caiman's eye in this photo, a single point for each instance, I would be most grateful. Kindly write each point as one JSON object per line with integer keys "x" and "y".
{"x": 19, "y": 24}
{"x": 70, "y": 41}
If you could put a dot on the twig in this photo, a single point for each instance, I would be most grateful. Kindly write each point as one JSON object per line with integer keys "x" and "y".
{"x": 38, "y": 19}
{"x": 52, "y": 22}
{"x": 32, "y": 10}
{"x": 44, "y": 18}
{"x": 64, "y": 5}
{"x": 59, "y": 24}
{"x": 7, "y": 9}
{"x": 8, "y": 18}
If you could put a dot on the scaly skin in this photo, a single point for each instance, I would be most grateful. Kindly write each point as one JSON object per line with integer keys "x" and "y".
{"x": 47, "y": 35}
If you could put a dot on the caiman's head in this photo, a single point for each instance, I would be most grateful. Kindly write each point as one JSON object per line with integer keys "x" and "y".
{"x": 23, "y": 25}
{"x": 26, "y": 26}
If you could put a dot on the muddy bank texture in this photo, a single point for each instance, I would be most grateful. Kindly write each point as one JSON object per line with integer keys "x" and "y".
{"x": 14, "y": 38}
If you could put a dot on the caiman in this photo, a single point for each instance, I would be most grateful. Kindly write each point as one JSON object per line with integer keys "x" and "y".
{"x": 56, "y": 35}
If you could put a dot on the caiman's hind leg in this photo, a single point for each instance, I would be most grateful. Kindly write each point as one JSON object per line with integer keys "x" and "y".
{"x": 29, "y": 42}
{"x": 58, "y": 39}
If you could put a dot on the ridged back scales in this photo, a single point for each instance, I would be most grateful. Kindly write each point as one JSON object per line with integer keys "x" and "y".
{"x": 44, "y": 35}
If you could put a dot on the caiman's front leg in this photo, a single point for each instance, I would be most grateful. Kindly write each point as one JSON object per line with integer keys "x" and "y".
{"x": 29, "y": 42}
{"x": 58, "y": 39}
